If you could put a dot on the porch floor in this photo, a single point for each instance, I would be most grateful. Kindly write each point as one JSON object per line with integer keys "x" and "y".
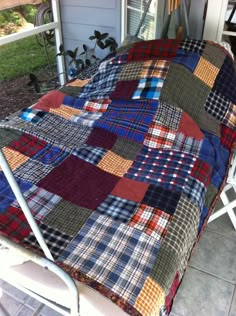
{"x": 208, "y": 287}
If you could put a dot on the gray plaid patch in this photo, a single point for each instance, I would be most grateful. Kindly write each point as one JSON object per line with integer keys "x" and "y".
{"x": 131, "y": 71}
{"x": 90, "y": 154}
{"x": 67, "y": 217}
{"x": 32, "y": 171}
{"x": 7, "y": 136}
{"x": 187, "y": 144}
{"x": 168, "y": 115}
{"x": 126, "y": 148}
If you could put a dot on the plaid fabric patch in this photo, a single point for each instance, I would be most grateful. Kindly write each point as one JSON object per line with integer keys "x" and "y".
{"x": 159, "y": 137}
{"x": 163, "y": 199}
{"x": 150, "y": 299}
{"x": 32, "y": 171}
{"x": 155, "y": 68}
{"x": 86, "y": 118}
{"x": 32, "y": 115}
{"x": 51, "y": 155}
{"x": 102, "y": 84}
{"x": 126, "y": 148}
{"x": 28, "y": 145}
{"x": 206, "y": 72}
{"x": 73, "y": 101}
{"x": 14, "y": 224}
{"x": 65, "y": 111}
{"x": 114, "y": 164}
{"x": 187, "y": 59}
{"x": 150, "y": 220}
{"x": 40, "y": 201}
{"x": 6, "y": 194}
{"x": 226, "y": 80}
{"x": 230, "y": 116}
{"x": 202, "y": 171}
{"x": 78, "y": 83}
{"x": 97, "y": 105}
{"x": 214, "y": 53}
{"x": 14, "y": 158}
{"x": 154, "y": 49}
{"x": 90, "y": 154}
{"x": 170, "y": 169}
{"x": 131, "y": 71}
{"x": 148, "y": 88}
{"x": 228, "y": 136}
{"x": 55, "y": 240}
{"x": 187, "y": 144}
{"x": 67, "y": 217}
{"x": 120, "y": 257}
{"x": 182, "y": 232}
{"x": 117, "y": 208}
{"x": 8, "y": 136}
{"x": 195, "y": 191}
{"x": 60, "y": 132}
{"x": 124, "y": 90}
{"x": 168, "y": 115}
{"x": 193, "y": 45}
{"x": 128, "y": 119}
{"x": 217, "y": 105}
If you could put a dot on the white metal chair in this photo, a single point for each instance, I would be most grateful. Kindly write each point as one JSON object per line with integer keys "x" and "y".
{"x": 228, "y": 206}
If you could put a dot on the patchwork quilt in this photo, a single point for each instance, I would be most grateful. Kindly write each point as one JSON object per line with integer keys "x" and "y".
{"x": 121, "y": 167}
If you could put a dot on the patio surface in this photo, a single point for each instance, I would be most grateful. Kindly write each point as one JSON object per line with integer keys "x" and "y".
{"x": 208, "y": 287}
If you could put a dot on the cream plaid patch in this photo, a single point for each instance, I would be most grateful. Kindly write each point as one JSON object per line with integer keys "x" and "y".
{"x": 78, "y": 83}
{"x": 14, "y": 158}
{"x": 230, "y": 116}
{"x": 206, "y": 72}
{"x": 155, "y": 68}
{"x": 115, "y": 164}
{"x": 65, "y": 111}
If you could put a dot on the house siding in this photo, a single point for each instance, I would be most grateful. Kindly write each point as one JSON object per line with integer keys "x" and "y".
{"x": 81, "y": 17}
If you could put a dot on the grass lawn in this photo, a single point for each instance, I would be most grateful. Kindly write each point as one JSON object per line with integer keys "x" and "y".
{"x": 22, "y": 57}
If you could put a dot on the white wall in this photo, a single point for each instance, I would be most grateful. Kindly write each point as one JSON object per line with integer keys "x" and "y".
{"x": 81, "y": 17}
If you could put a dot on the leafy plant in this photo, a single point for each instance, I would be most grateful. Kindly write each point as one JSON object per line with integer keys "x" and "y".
{"x": 77, "y": 63}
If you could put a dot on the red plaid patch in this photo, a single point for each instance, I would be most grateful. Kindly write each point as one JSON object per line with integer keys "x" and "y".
{"x": 13, "y": 223}
{"x": 159, "y": 137}
{"x": 228, "y": 136}
{"x": 97, "y": 105}
{"x": 152, "y": 221}
{"x": 161, "y": 49}
{"x": 202, "y": 172}
{"x": 28, "y": 145}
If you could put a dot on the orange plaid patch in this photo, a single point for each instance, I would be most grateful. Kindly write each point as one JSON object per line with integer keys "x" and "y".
{"x": 206, "y": 72}
{"x": 65, "y": 111}
{"x": 150, "y": 299}
{"x": 155, "y": 68}
{"x": 14, "y": 158}
{"x": 159, "y": 137}
{"x": 97, "y": 106}
{"x": 78, "y": 83}
{"x": 115, "y": 164}
{"x": 230, "y": 117}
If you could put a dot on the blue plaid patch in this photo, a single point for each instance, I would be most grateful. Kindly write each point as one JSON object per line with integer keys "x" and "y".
{"x": 148, "y": 88}
{"x": 128, "y": 119}
{"x": 51, "y": 155}
{"x": 90, "y": 154}
{"x": 168, "y": 169}
{"x": 32, "y": 115}
{"x": 102, "y": 84}
{"x": 86, "y": 118}
{"x": 187, "y": 59}
{"x": 117, "y": 208}
{"x": 195, "y": 191}
{"x": 73, "y": 102}
{"x": 116, "y": 255}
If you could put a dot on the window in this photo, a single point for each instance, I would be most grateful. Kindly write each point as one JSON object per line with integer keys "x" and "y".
{"x": 133, "y": 12}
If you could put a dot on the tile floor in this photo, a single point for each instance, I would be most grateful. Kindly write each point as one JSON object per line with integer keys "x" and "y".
{"x": 208, "y": 287}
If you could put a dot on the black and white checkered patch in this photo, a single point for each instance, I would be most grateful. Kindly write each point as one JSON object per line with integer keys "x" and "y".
{"x": 55, "y": 240}
{"x": 117, "y": 208}
{"x": 90, "y": 154}
{"x": 193, "y": 45}
{"x": 217, "y": 105}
